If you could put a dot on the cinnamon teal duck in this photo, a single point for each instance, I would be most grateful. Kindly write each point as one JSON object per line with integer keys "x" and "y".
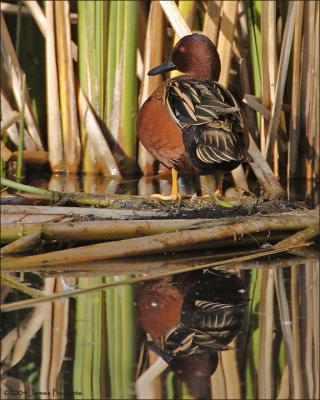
{"x": 191, "y": 123}
{"x": 189, "y": 318}
{"x": 192, "y": 313}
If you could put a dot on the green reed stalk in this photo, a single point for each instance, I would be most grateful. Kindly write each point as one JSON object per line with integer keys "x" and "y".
{"x": 21, "y": 130}
{"x": 97, "y": 336}
{"x": 83, "y": 60}
{"x": 110, "y": 332}
{"x": 128, "y": 340}
{"x": 254, "y": 30}
{"x": 93, "y": 22}
{"x": 253, "y": 336}
{"x": 88, "y": 343}
{"x": 2, "y": 168}
{"x": 80, "y": 336}
{"x": 111, "y": 60}
{"x": 170, "y": 386}
{"x": 121, "y": 5}
{"x": 116, "y": 384}
{"x": 129, "y": 85}
{"x": 121, "y": 339}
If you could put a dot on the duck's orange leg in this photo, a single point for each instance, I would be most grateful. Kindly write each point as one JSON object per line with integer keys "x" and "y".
{"x": 219, "y": 178}
{"x": 175, "y": 195}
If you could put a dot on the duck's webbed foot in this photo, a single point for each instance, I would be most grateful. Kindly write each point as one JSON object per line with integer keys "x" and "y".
{"x": 175, "y": 195}
{"x": 172, "y": 196}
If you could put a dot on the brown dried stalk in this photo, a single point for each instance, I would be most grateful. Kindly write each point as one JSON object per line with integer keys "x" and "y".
{"x": 161, "y": 243}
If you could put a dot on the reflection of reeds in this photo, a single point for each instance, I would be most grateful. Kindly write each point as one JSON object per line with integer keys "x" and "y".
{"x": 298, "y": 328}
{"x": 121, "y": 340}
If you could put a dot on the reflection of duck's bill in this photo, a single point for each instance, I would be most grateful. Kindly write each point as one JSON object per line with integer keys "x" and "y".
{"x": 163, "y": 354}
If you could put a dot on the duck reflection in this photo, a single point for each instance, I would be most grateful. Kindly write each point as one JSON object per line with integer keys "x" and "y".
{"x": 190, "y": 318}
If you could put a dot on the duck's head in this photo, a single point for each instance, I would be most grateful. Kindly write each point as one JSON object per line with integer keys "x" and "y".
{"x": 194, "y": 55}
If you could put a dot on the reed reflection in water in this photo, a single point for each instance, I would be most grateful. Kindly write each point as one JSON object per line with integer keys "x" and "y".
{"x": 243, "y": 332}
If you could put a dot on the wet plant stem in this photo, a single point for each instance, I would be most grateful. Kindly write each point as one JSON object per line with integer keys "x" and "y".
{"x": 159, "y": 244}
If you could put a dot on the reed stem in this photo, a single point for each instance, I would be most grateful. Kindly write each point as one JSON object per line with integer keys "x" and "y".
{"x": 21, "y": 130}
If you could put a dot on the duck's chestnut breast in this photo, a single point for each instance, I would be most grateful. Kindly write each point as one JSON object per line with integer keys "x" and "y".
{"x": 159, "y": 133}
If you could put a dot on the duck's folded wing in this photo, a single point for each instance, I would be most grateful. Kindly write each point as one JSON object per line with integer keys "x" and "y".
{"x": 217, "y": 143}
{"x": 195, "y": 102}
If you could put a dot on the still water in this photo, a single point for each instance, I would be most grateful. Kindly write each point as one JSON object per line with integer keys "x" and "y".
{"x": 245, "y": 330}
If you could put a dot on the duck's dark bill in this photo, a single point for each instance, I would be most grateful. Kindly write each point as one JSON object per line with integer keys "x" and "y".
{"x": 162, "y": 68}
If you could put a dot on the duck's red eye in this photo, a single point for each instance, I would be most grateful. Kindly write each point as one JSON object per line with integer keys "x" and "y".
{"x": 181, "y": 49}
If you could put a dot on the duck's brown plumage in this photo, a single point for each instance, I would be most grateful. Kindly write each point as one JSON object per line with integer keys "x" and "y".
{"x": 191, "y": 122}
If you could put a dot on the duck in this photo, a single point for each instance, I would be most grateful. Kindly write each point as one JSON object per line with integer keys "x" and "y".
{"x": 190, "y": 318}
{"x": 192, "y": 313}
{"x": 191, "y": 123}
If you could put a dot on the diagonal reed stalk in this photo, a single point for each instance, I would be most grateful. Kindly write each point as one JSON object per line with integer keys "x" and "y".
{"x": 281, "y": 80}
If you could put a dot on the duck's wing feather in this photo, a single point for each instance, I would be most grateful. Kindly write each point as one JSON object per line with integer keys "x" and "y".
{"x": 196, "y": 102}
{"x": 210, "y": 119}
{"x": 217, "y": 144}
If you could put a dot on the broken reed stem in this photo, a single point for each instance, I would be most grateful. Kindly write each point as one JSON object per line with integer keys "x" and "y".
{"x": 157, "y": 244}
{"x": 25, "y": 243}
{"x": 299, "y": 237}
{"x": 98, "y": 230}
{"x": 116, "y": 230}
